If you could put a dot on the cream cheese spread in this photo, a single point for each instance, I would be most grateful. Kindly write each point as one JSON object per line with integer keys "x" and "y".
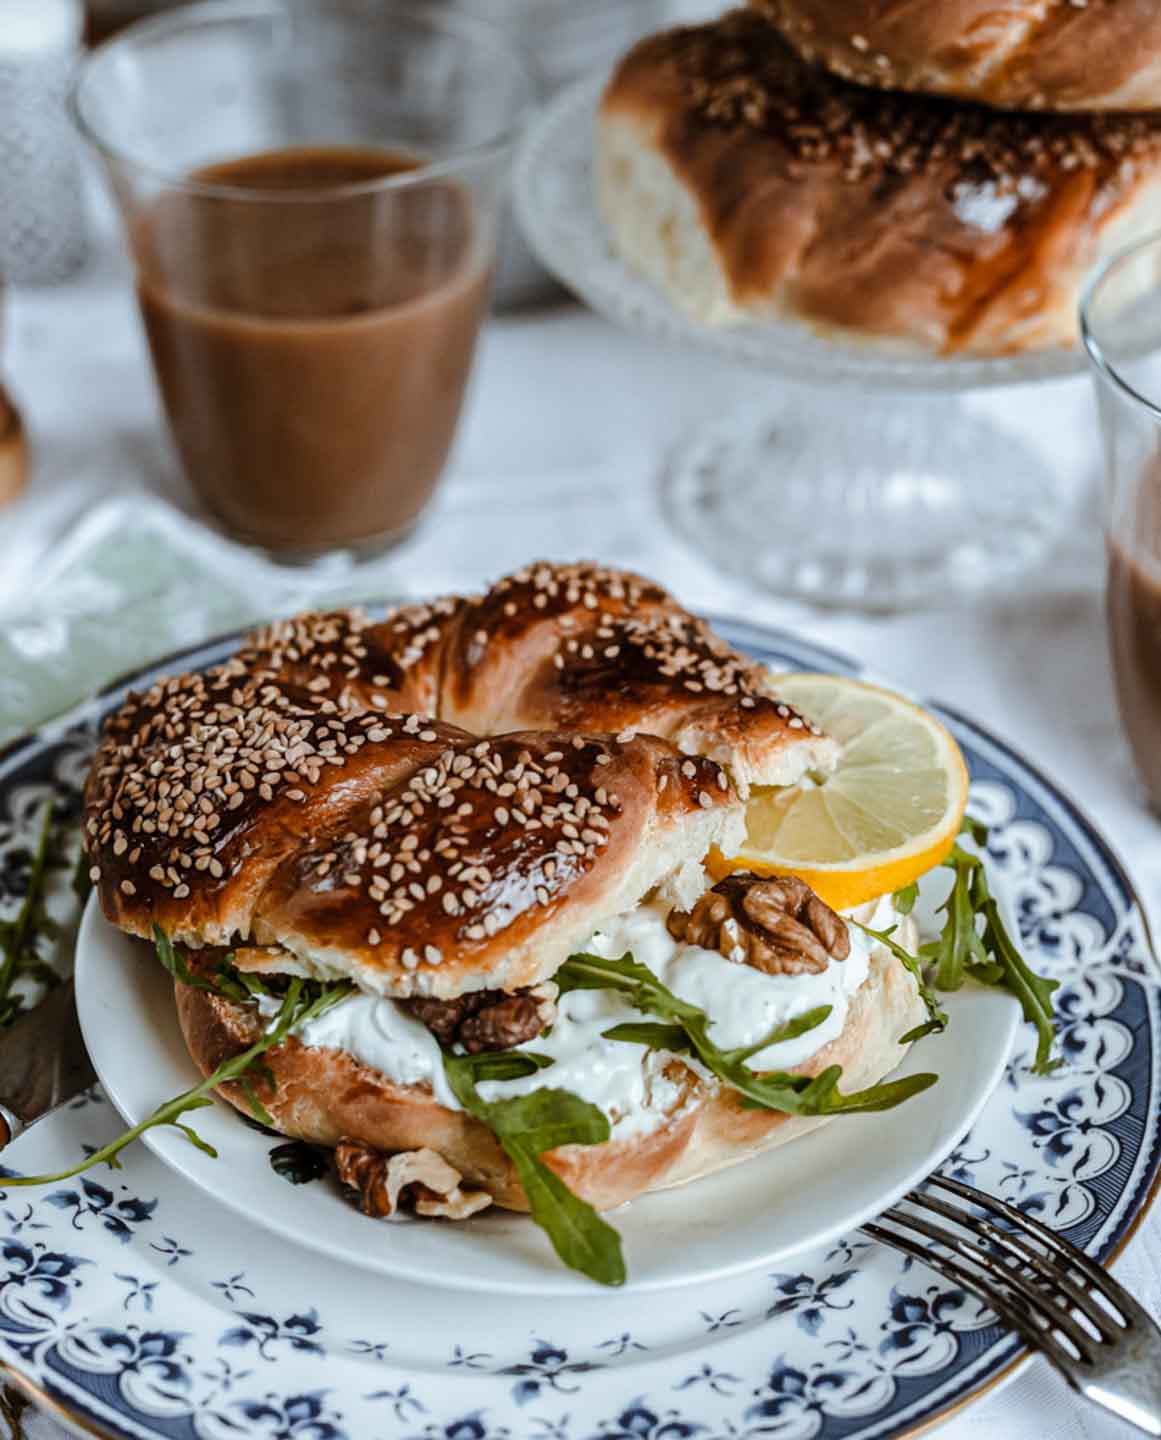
{"x": 623, "y": 1080}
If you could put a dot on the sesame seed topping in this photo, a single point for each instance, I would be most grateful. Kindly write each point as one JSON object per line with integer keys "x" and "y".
{"x": 739, "y": 74}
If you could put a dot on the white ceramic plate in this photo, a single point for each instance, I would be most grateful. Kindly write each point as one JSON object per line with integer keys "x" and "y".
{"x": 800, "y": 1196}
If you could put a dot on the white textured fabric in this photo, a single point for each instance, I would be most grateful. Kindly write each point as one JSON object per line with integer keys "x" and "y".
{"x": 559, "y": 455}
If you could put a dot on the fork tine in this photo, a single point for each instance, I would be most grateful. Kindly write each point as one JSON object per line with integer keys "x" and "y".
{"x": 949, "y": 1267}
{"x": 1015, "y": 1244}
{"x": 1099, "y": 1278}
{"x": 1024, "y": 1294}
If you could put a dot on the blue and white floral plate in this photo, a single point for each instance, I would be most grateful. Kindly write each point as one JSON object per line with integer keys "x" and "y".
{"x": 779, "y": 1204}
{"x": 131, "y": 1305}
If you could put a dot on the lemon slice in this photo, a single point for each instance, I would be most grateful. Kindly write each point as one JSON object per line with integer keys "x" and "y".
{"x": 888, "y": 813}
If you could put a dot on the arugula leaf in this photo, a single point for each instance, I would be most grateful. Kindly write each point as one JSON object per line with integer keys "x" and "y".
{"x": 671, "y": 1038}
{"x": 959, "y": 944}
{"x": 82, "y": 885}
{"x": 507, "y": 1064}
{"x": 226, "y": 981}
{"x": 936, "y": 1015}
{"x": 257, "y": 1109}
{"x": 527, "y": 1126}
{"x": 304, "y": 1000}
{"x": 1033, "y": 991}
{"x": 18, "y": 937}
{"x": 987, "y": 954}
{"x": 793, "y": 1094}
{"x": 904, "y": 900}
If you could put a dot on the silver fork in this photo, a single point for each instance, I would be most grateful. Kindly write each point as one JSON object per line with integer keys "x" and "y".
{"x": 1062, "y": 1303}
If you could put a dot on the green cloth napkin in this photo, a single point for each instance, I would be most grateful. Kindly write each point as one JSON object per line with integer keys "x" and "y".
{"x": 134, "y": 580}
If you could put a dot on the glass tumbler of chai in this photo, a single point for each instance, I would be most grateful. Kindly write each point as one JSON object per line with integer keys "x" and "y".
{"x": 1121, "y": 326}
{"x": 311, "y": 191}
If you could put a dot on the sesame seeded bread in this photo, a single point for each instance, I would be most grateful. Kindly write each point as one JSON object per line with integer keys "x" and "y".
{"x": 397, "y": 851}
{"x": 1017, "y": 54}
{"x": 563, "y": 647}
{"x": 751, "y": 186}
{"x": 325, "y": 1095}
{"x": 487, "y": 866}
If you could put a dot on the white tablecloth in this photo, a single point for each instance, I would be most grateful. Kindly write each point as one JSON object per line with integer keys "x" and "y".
{"x": 559, "y": 456}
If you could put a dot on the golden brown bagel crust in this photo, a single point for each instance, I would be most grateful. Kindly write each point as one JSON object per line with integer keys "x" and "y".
{"x": 562, "y": 647}
{"x": 489, "y": 866}
{"x": 325, "y": 1095}
{"x": 750, "y": 185}
{"x": 417, "y": 860}
{"x": 203, "y": 785}
{"x": 1017, "y": 54}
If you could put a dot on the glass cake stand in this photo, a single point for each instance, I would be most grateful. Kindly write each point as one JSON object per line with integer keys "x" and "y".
{"x": 861, "y": 485}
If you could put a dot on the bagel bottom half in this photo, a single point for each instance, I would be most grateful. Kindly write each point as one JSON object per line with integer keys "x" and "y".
{"x": 325, "y": 1095}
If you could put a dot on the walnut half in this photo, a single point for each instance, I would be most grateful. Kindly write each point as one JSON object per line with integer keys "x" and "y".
{"x": 778, "y": 925}
{"x": 487, "y": 1019}
{"x": 419, "y": 1180}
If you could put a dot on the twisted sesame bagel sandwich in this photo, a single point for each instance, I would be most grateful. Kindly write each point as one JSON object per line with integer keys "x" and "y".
{"x": 484, "y": 970}
{"x": 1016, "y": 54}
{"x": 751, "y": 186}
{"x": 570, "y": 647}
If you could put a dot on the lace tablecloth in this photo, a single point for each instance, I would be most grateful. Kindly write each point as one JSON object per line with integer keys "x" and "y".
{"x": 101, "y": 568}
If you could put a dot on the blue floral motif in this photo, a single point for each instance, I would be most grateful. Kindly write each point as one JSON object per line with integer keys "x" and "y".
{"x": 795, "y": 1400}
{"x": 809, "y": 1298}
{"x": 472, "y": 1426}
{"x": 292, "y": 1417}
{"x": 922, "y": 1330}
{"x": 546, "y": 1368}
{"x": 93, "y": 1200}
{"x": 963, "y": 1165}
{"x": 170, "y": 1248}
{"x": 468, "y": 1359}
{"x": 92, "y": 1095}
{"x": 36, "y": 1290}
{"x": 139, "y": 1290}
{"x": 1071, "y": 1130}
{"x": 546, "y": 1429}
{"x": 222, "y": 1377}
{"x": 20, "y": 1221}
{"x": 1090, "y": 1042}
{"x": 265, "y": 1333}
{"x": 404, "y": 1404}
{"x": 369, "y": 1349}
{"x": 641, "y": 1421}
{"x": 619, "y": 1344}
{"x": 857, "y": 1329}
{"x": 233, "y": 1287}
{"x": 150, "y": 1367}
{"x": 845, "y": 1250}
{"x": 721, "y": 1382}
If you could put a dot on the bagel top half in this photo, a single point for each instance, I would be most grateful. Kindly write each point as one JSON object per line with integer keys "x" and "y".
{"x": 292, "y": 796}
{"x": 403, "y": 853}
{"x": 558, "y": 647}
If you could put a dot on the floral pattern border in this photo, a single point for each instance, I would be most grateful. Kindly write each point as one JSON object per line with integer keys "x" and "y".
{"x": 853, "y": 1342}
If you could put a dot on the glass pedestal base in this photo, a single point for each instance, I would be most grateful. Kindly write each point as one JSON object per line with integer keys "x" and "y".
{"x": 877, "y": 503}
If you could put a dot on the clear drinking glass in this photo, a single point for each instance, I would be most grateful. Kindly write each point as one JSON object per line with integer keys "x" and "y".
{"x": 1121, "y": 326}
{"x": 311, "y": 192}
